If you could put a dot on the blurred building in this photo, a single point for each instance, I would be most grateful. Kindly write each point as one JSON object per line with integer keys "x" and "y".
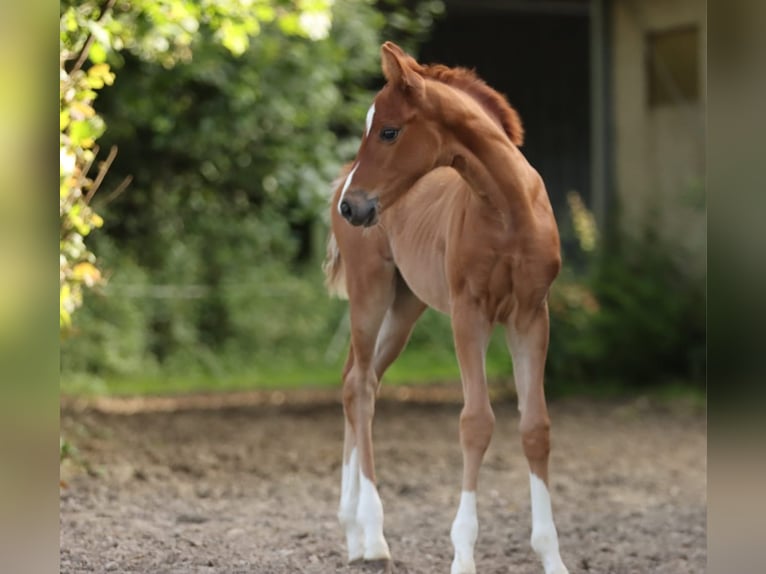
{"x": 612, "y": 95}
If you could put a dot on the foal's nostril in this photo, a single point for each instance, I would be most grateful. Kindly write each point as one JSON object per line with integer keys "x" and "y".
{"x": 345, "y": 209}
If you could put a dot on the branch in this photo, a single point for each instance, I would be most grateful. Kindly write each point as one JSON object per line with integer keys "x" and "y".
{"x": 117, "y": 192}
{"x": 82, "y": 178}
{"x": 101, "y": 173}
{"x": 89, "y": 41}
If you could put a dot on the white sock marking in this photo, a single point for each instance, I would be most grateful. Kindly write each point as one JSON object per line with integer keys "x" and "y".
{"x": 345, "y": 186}
{"x": 349, "y": 501}
{"x": 544, "y": 540}
{"x": 370, "y": 517}
{"x": 368, "y": 121}
{"x": 464, "y": 532}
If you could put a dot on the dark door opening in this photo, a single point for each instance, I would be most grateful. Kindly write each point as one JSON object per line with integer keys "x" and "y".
{"x": 540, "y": 60}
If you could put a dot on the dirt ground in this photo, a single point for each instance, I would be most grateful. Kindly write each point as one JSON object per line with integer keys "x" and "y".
{"x": 255, "y": 488}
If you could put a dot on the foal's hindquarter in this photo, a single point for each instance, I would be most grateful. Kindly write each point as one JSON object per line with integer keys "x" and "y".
{"x": 442, "y": 246}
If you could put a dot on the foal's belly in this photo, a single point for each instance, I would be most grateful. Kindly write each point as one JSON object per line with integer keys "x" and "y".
{"x": 417, "y": 228}
{"x": 426, "y": 278}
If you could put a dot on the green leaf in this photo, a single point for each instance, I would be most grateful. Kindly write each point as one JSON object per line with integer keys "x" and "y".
{"x": 265, "y": 13}
{"x": 100, "y": 74}
{"x": 235, "y": 38}
{"x": 290, "y": 25}
{"x": 63, "y": 119}
{"x": 70, "y": 20}
{"x": 83, "y": 133}
{"x": 97, "y": 53}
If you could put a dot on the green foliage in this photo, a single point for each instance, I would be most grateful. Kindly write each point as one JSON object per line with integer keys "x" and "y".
{"x": 231, "y": 123}
{"x": 212, "y": 251}
{"x": 80, "y": 126}
{"x": 109, "y": 334}
{"x": 164, "y": 32}
{"x": 67, "y": 450}
{"x": 635, "y": 316}
{"x": 653, "y": 319}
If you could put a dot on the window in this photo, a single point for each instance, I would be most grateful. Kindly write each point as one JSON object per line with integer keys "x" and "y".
{"x": 673, "y": 66}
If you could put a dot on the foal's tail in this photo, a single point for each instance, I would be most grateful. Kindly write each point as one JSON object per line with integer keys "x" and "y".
{"x": 334, "y": 270}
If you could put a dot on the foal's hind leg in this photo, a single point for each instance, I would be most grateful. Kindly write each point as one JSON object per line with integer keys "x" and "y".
{"x": 528, "y": 340}
{"x": 397, "y": 326}
{"x": 471, "y": 332}
{"x": 370, "y": 296}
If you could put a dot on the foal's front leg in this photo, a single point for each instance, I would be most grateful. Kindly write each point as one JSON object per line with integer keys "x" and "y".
{"x": 349, "y": 488}
{"x": 471, "y": 332}
{"x": 361, "y": 510}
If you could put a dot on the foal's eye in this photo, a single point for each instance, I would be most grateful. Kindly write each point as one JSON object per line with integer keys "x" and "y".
{"x": 389, "y": 134}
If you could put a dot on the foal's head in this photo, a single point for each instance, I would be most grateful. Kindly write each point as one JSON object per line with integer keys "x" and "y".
{"x": 407, "y": 133}
{"x": 400, "y": 143}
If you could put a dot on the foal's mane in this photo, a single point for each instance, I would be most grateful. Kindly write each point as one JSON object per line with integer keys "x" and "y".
{"x": 494, "y": 103}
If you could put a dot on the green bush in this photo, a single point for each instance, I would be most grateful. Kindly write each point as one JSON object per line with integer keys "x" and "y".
{"x": 94, "y": 37}
{"x": 109, "y": 337}
{"x": 634, "y": 316}
{"x": 212, "y": 251}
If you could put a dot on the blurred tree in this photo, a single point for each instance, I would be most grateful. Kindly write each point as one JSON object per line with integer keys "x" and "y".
{"x": 92, "y": 36}
{"x": 231, "y": 142}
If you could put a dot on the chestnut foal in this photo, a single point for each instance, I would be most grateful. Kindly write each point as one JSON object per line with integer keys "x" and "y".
{"x": 445, "y": 212}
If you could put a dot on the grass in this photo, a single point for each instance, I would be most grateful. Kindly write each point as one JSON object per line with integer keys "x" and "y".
{"x": 661, "y": 392}
{"x": 415, "y": 366}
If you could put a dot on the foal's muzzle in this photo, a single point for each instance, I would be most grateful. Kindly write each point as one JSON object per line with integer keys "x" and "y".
{"x": 358, "y": 209}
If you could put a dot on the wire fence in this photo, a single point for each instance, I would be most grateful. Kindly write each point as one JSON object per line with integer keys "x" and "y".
{"x": 186, "y": 291}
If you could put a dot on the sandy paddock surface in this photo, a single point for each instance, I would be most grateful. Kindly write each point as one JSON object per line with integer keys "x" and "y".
{"x": 254, "y": 488}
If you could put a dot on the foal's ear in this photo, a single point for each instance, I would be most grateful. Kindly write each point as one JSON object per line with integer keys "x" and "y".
{"x": 398, "y": 70}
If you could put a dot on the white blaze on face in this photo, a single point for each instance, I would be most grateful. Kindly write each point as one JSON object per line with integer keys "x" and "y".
{"x": 368, "y": 127}
{"x": 370, "y": 517}
{"x": 465, "y": 530}
{"x": 368, "y": 121}
{"x": 544, "y": 541}
{"x": 345, "y": 186}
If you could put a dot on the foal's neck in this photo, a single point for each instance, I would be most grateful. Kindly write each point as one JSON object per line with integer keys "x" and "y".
{"x": 483, "y": 154}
